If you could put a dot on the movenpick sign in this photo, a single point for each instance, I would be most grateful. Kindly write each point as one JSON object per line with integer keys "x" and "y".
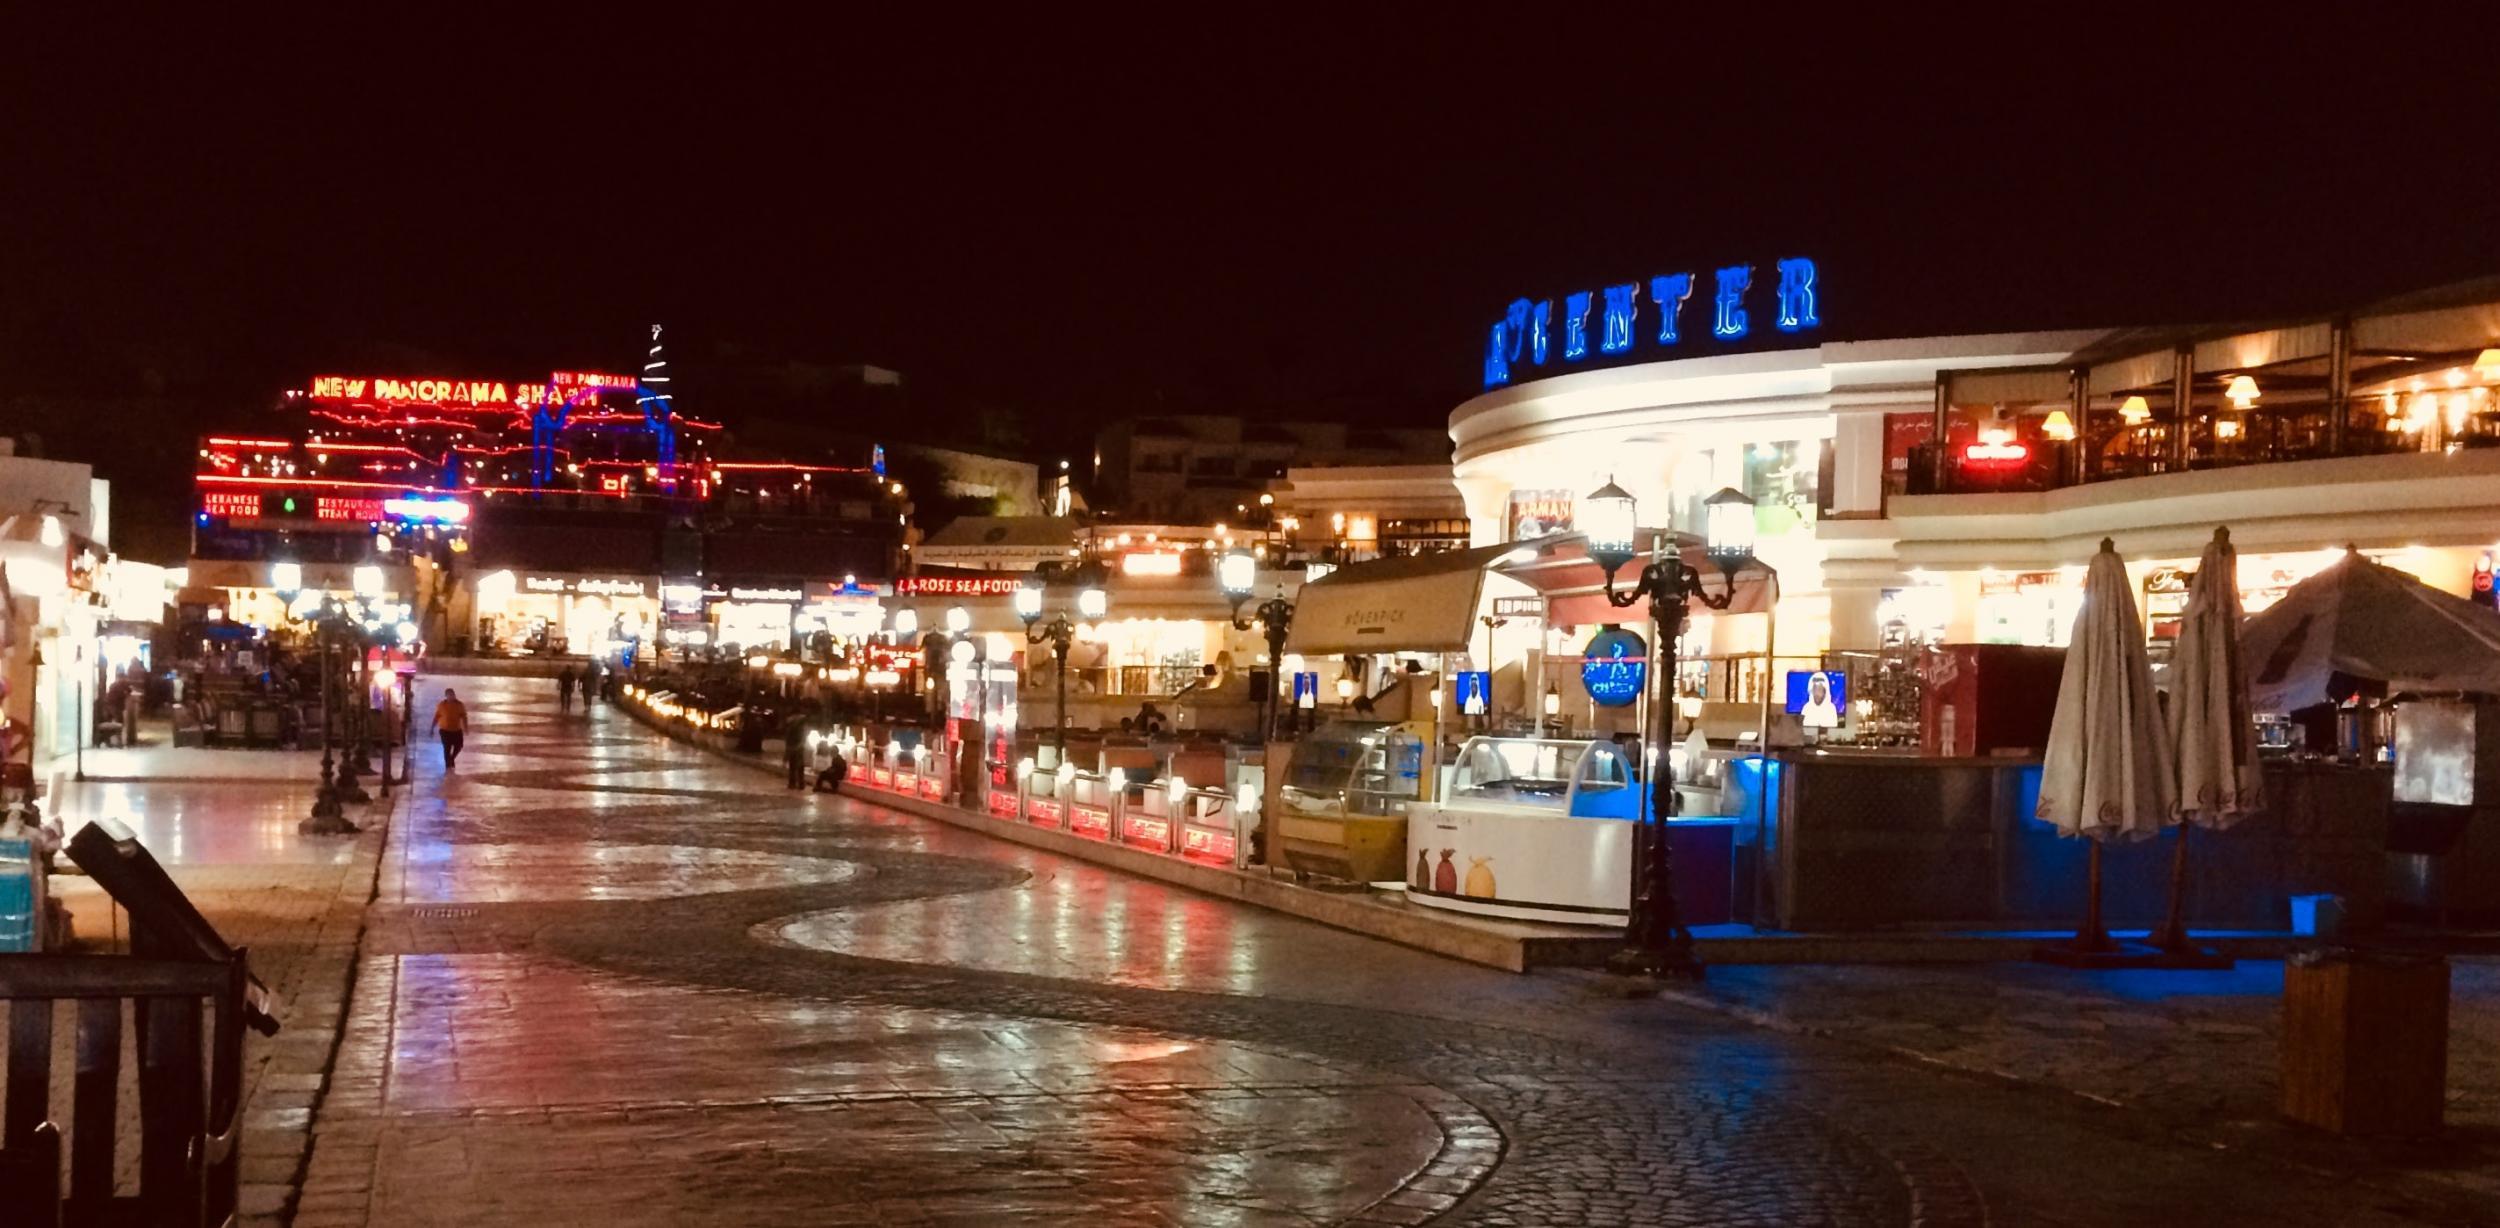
{"x": 1609, "y": 321}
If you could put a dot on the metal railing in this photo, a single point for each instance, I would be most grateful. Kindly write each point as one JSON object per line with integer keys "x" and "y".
{"x": 1212, "y": 826}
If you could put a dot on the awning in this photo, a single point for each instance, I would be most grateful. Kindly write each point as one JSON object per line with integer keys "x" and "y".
{"x": 2265, "y": 347}
{"x": 1423, "y": 603}
{"x": 2448, "y": 330}
{"x": 1999, "y": 385}
{"x": 1574, "y": 585}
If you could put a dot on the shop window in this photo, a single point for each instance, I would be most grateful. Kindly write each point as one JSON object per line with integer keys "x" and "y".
{"x": 2128, "y": 433}
{"x": 2030, "y": 607}
{"x": 1782, "y": 478}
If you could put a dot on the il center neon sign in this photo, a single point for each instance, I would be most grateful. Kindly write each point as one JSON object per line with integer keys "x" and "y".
{"x": 1525, "y": 335}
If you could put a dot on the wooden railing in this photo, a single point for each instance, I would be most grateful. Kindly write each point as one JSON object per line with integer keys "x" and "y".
{"x": 191, "y": 996}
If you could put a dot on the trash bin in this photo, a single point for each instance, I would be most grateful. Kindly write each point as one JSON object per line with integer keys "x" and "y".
{"x": 2365, "y": 1041}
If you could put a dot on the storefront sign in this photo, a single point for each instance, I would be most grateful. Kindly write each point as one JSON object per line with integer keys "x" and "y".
{"x": 1995, "y": 452}
{"x": 1519, "y": 607}
{"x": 427, "y": 511}
{"x": 1536, "y": 513}
{"x": 583, "y": 586}
{"x": 1614, "y": 666}
{"x": 959, "y": 586}
{"x": 339, "y": 507}
{"x": 459, "y": 393}
{"x": 1525, "y": 335}
{"x": 1150, "y": 564}
{"x": 230, "y": 503}
{"x": 782, "y": 595}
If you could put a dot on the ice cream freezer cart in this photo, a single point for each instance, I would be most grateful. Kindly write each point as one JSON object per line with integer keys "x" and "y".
{"x": 1541, "y": 829}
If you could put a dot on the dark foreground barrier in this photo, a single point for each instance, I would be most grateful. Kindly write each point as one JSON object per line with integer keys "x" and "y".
{"x": 192, "y": 995}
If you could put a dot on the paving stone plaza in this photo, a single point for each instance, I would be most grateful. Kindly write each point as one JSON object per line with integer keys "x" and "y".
{"x": 609, "y": 979}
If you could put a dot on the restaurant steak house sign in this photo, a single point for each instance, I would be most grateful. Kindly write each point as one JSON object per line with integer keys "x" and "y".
{"x": 1608, "y": 320}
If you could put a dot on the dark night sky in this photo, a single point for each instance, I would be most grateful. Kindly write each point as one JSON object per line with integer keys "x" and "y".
{"x": 1080, "y": 223}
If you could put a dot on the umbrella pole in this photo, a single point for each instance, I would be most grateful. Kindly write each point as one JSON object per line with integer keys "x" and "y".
{"x": 2093, "y": 937}
{"x": 2173, "y": 935}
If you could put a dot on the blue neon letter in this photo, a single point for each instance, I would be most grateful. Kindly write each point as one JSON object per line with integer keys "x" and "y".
{"x": 1497, "y": 358}
{"x": 1540, "y": 331}
{"x": 1576, "y": 326}
{"x": 1732, "y": 284}
{"x": 1515, "y": 327}
{"x": 1669, "y": 293}
{"x": 1623, "y": 303}
{"x": 1797, "y": 295}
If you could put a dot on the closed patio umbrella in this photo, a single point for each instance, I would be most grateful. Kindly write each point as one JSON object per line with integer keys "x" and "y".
{"x": 2214, "y": 737}
{"x": 2108, "y": 772}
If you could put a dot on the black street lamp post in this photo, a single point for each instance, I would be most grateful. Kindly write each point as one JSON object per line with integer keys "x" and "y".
{"x": 1239, "y": 574}
{"x": 1655, "y": 939}
{"x": 336, "y": 786}
{"x": 1059, "y": 631}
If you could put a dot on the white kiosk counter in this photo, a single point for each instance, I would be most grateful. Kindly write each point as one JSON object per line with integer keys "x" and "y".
{"x": 1533, "y": 829}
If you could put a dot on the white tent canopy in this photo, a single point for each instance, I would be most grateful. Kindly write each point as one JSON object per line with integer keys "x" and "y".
{"x": 2371, "y": 622}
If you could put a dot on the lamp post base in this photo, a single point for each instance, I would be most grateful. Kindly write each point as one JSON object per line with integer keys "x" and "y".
{"x": 1662, "y": 965}
{"x": 326, "y": 818}
{"x": 349, "y": 788}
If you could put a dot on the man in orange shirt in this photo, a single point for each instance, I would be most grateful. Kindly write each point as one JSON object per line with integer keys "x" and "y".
{"x": 451, "y": 720}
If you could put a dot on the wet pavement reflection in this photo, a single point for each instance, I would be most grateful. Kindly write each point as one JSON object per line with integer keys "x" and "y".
{"x": 484, "y": 1079}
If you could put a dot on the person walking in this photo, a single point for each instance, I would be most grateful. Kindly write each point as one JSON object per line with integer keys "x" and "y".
{"x": 794, "y": 748}
{"x": 451, "y": 721}
{"x": 564, "y": 689}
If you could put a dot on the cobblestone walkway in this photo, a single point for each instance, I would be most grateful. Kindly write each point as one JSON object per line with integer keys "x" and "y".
{"x": 610, "y": 980}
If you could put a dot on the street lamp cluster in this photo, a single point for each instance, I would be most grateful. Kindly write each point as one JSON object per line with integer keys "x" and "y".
{"x": 346, "y": 624}
{"x": 1238, "y": 574}
{"x": 1091, "y": 604}
{"x": 1656, "y": 941}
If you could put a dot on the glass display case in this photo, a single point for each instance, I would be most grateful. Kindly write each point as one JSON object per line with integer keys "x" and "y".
{"x": 1575, "y": 779}
{"x": 1343, "y": 801}
{"x": 1356, "y": 768}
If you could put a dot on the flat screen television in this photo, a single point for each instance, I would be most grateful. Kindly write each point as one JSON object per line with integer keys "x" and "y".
{"x": 1818, "y": 707}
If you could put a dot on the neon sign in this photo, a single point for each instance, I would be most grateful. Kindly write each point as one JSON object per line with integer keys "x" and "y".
{"x": 1614, "y": 666}
{"x": 230, "y": 502}
{"x": 1995, "y": 452}
{"x": 334, "y": 507}
{"x": 431, "y": 511}
{"x": 1524, "y": 336}
{"x": 958, "y": 586}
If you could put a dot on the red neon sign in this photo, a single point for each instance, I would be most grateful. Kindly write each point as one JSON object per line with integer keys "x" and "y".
{"x": 230, "y": 502}
{"x": 1996, "y": 453}
{"x": 333, "y": 507}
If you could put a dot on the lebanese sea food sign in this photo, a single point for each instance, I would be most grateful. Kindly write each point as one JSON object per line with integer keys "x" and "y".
{"x": 1609, "y": 322}
{"x": 1614, "y": 666}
